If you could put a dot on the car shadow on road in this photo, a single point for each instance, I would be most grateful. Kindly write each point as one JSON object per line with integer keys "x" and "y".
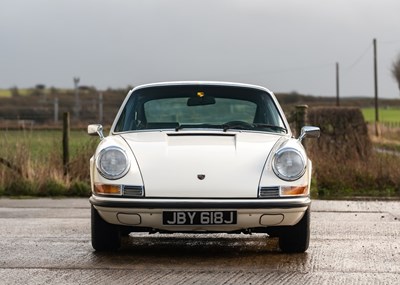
{"x": 203, "y": 251}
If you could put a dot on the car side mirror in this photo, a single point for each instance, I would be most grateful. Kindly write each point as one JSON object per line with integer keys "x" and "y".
{"x": 96, "y": 130}
{"x": 309, "y": 132}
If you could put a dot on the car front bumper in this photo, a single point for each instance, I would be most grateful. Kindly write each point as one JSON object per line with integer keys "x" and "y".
{"x": 251, "y": 213}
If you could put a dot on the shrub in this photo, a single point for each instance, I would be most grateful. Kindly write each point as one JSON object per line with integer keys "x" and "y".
{"x": 344, "y": 134}
{"x": 343, "y": 158}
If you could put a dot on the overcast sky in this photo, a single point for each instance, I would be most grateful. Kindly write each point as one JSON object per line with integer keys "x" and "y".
{"x": 284, "y": 45}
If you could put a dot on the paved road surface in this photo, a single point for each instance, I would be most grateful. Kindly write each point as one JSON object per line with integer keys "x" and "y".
{"x": 47, "y": 241}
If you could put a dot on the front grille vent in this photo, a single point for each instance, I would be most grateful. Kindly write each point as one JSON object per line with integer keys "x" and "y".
{"x": 133, "y": 191}
{"x": 269, "y": 192}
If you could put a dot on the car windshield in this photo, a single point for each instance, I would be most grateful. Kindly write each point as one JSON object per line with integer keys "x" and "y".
{"x": 200, "y": 106}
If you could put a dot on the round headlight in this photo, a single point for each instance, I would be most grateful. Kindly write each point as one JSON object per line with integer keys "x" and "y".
{"x": 113, "y": 163}
{"x": 289, "y": 164}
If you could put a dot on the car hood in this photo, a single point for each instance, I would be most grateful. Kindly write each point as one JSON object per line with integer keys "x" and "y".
{"x": 201, "y": 164}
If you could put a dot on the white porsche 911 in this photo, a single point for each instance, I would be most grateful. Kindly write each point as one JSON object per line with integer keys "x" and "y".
{"x": 201, "y": 157}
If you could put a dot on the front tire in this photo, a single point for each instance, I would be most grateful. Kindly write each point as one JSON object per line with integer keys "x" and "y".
{"x": 105, "y": 236}
{"x": 296, "y": 239}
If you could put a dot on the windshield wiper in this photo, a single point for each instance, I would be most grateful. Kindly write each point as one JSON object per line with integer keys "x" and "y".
{"x": 247, "y": 126}
{"x": 179, "y": 127}
{"x": 235, "y": 125}
{"x": 240, "y": 126}
{"x": 273, "y": 127}
{"x": 196, "y": 126}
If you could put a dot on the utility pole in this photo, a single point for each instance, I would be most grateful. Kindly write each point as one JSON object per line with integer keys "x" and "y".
{"x": 77, "y": 107}
{"x": 377, "y": 132}
{"x": 337, "y": 85}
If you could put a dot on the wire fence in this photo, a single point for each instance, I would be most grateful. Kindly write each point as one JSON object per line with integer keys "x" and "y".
{"x": 47, "y": 112}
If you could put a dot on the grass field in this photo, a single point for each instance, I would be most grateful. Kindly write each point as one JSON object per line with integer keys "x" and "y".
{"x": 42, "y": 143}
{"x": 5, "y": 93}
{"x": 391, "y": 115}
{"x": 32, "y": 163}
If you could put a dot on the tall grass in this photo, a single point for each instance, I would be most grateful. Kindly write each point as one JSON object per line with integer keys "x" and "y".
{"x": 345, "y": 159}
{"x": 35, "y": 166}
{"x": 376, "y": 176}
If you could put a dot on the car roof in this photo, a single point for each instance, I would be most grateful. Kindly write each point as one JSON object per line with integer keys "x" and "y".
{"x": 210, "y": 83}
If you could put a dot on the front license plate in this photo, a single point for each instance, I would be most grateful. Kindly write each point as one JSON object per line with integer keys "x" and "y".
{"x": 199, "y": 217}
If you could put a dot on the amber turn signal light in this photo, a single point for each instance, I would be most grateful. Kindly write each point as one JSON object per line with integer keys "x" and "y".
{"x": 106, "y": 189}
{"x": 294, "y": 190}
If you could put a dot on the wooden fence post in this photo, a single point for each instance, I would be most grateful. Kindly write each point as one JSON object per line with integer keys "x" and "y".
{"x": 66, "y": 143}
{"x": 301, "y": 118}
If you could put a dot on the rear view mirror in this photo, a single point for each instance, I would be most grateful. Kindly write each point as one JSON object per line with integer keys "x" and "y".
{"x": 199, "y": 101}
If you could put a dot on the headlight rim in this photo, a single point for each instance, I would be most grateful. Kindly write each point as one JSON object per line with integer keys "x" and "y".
{"x": 282, "y": 176}
{"x": 104, "y": 173}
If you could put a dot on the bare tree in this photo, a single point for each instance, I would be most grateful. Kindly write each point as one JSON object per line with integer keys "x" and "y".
{"x": 396, "y": 70}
